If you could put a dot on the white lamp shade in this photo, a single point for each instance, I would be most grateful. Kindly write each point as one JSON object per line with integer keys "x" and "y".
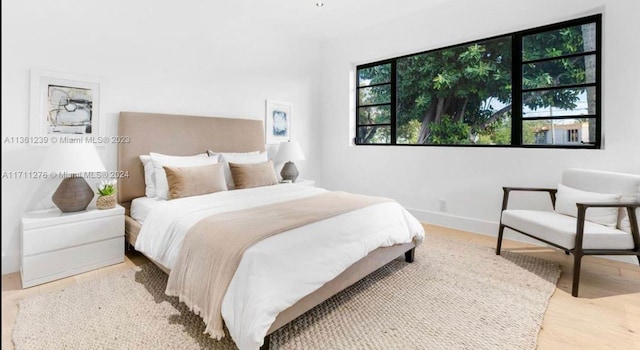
{"x": 72, "y": 158}
{"x": 289, "y": 151}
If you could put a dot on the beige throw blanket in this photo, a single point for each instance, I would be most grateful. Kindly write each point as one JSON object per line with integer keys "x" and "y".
{"x": 212, "y": 249}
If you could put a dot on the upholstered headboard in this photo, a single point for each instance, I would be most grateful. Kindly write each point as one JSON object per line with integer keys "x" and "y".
{"x": 141, "y": 133}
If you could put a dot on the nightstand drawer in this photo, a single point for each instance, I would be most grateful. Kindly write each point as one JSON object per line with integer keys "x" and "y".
{"x": 61, "y": 263}
{"x": 71, "y": 234}
{"x": 57, "y": 245}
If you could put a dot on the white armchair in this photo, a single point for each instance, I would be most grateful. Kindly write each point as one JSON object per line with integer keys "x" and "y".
{"x": 595, "y": 213}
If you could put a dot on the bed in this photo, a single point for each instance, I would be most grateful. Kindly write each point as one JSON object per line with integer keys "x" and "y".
{"x": 142, "y": 133}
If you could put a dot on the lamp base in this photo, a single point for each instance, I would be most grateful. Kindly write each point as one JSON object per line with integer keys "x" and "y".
{"x": 73, "y": 194}
{"x": 289, "y": 172}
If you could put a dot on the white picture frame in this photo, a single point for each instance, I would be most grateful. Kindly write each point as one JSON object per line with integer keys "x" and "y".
{"x": 277, "y": 121}
{"x": 64, "y": 107}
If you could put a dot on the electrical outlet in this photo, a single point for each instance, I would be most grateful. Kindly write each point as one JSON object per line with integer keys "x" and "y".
{"x": 443, "y": 205}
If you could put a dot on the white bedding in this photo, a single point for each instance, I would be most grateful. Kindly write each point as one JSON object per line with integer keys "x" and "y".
{"x": 277, "y": 272}
{"x": 141, "y": 207}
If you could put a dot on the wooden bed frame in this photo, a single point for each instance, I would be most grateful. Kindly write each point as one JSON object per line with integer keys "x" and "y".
{"x": 147, "y": 132}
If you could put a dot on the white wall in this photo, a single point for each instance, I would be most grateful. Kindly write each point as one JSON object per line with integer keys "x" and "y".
{"x": 160, "y": 56}
{"x": 152, "y": 56}
{"x": 470, "y": 179}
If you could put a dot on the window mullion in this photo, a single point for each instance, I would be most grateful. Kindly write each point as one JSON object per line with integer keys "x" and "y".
{"x": 598, "y": 140}
{"x": 555, "y": 58}
{"x": 375, "y": 84}
{"x": 560, "y": 87}
{"x": 393, "y": 102}
{"x": 516, "y": 90}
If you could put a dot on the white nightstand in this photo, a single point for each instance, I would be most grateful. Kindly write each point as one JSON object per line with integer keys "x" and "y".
{"x": 303, "y": 182}
{"x": 57, "y": 245}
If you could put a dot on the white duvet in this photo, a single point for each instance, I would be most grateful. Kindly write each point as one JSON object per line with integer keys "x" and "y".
{"x": 278, "y": 271}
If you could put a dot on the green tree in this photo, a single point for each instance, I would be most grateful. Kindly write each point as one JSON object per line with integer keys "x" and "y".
{"x": 532, "y": 128}
{"x": 408, "y": 133}
{"x": 449, "y": 132}
{"x": 498, "y": 134}
{"x": 467, "y": 82}
{"x": 458, "y": 82}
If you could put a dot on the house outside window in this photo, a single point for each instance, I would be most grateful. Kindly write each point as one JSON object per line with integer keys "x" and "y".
{"x": 522, "y": 89}
{"x": 562, "y": 134}
{"x": 542, "y": 136}
{"x": 572, "y": 135}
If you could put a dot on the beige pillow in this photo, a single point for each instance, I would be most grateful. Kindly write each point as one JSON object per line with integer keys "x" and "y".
{"x": 253, "y": 175}
{"x": 195, "y": 180}
{"x": 160, "y": 160}
{"x": 238, "y": 158}
{"x": 567, "y": 197}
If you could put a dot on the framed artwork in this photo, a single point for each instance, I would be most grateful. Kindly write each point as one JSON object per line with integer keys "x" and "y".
{"x": 64, "y": 105}
{"x": 278, "y": 122}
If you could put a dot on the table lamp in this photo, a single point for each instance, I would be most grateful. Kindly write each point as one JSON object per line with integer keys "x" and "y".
{"x": 72, "y": 161}
{"x": 287, "y": 152}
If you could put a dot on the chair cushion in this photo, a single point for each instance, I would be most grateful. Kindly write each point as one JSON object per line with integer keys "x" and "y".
{"x": 561, "y": 230}
{"x": 607, "y": 182}
{"x": 567, "y": 197}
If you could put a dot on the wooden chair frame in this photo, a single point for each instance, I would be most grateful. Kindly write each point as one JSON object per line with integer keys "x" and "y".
{"x": 578, "y": 252}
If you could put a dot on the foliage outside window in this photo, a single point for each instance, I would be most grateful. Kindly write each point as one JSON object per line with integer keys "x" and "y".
{"x": 539, "y": 87}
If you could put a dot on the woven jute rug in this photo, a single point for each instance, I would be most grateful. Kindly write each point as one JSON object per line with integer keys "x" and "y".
{"x": 454, "y": 296}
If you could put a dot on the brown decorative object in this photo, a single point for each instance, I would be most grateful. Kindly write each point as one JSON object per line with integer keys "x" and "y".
{"x": 289, "y": 172}
{"x": 106, "y": 202}
{"x": 288, "y": 152}
{"x": 73, "y": 194}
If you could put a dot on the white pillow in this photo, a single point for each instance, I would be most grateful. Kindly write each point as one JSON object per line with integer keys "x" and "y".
{"x": 239, "y": 154}
{"x": 567, "y": 197}
{"x": 160, "y": 160}
{"x": 240, "y": 158}
{"x": 149, "y": 176}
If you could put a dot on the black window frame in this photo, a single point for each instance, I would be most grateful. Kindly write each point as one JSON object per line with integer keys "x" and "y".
{"x": 391, "y": 103}
{"x": 517, "y": 90}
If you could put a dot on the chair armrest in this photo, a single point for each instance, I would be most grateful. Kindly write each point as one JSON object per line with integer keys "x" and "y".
{"x": 507, "y": 190}
{"x": 630, "y": 206}
{"x": 533, "y": 189}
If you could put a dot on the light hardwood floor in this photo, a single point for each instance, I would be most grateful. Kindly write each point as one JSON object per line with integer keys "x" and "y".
{"x": 605, "y": 316}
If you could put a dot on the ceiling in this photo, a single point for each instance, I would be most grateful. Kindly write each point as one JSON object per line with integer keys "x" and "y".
{"x": 335, "y": 18}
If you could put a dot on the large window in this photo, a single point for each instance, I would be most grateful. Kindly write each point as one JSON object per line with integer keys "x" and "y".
{"x": 535, "y": 88}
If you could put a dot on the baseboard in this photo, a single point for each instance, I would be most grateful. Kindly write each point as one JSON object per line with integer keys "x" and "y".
{"x": 456, "y": 222}
{"x": 488, "y": 228}
{"x": 10, "y": 263}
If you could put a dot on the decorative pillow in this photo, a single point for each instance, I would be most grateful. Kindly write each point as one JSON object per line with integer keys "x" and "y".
{"x": 162, "y": 160}
{"x": 253, "y": 175}
{"x": 149, "y": 176}
{"x": 567, "y": 197}
{"x": 238, "y": 158}
{"x": 194, "y": 181}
